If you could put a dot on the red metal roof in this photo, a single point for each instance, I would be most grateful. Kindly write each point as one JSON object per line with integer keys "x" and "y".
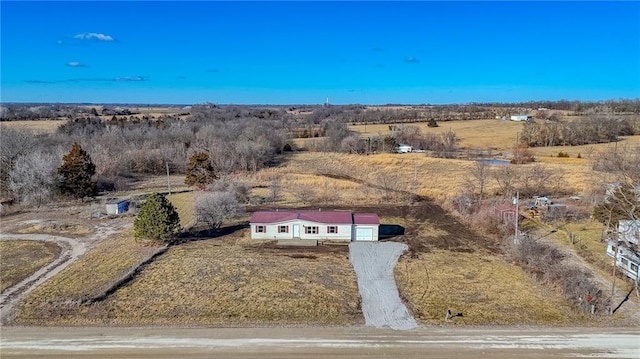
{"x": 326, "y": 217}
{"x": 366, "y": 218}
{"x": 337, "y": 217}
{"x": 273, "y": 216}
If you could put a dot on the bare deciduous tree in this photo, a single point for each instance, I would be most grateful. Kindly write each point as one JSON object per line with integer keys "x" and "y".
{"x": 304, "y": 193}
{"x": 13, "y": 144}
{"x": 479, "y": 176}
{"x": 215, "y": 208}
{"x": 506, "y": 178}
{"x": 33, "y": 178}
{"x": 275, "y": 187}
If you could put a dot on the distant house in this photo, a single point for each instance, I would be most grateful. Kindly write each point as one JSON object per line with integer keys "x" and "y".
{"x": 520, "y": 117}
{"x": 625, "y": 248}
{"x": 117, "y": 206}
{"x": 341, "y": 226}
{"x": 404, "y": 149}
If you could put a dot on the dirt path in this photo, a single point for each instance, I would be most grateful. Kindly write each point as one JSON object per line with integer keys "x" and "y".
{"x": 72, "y": 249}
{"x": 374, "y": 263}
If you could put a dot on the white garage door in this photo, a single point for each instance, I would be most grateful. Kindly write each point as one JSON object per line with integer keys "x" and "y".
{"x": 364, "y": 234}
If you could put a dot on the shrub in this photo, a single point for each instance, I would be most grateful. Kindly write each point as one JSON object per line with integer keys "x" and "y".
{"x": 563, "y": 154}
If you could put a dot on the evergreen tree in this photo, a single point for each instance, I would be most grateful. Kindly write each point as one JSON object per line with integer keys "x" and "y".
{"x": 76, "y": 172}
{"x": 199, "y": 171}
{"x": 157, "y": 219}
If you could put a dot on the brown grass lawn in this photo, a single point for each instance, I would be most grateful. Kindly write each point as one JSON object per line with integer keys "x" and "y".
{"x": 229, "y": 281}
{"x": 484, "y": 287}
{"x": 20, "y": 259}
{"x": 86, "y": 277}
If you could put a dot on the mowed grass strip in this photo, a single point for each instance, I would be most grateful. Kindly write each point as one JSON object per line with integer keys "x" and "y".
{"x": 484, "y": 287}
{"x": 232, "y": 281}
{"x": 184, "y": 206}
{"x": 19, "y": 259}
{"x": 88, "y": 276}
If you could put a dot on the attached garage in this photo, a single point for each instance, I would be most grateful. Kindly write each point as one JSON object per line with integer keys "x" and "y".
{"x": 364, "y": 234}
{"x": 366, "y": 226}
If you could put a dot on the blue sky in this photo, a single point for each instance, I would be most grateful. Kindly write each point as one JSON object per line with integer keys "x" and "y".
{"x": 303, "y": 52}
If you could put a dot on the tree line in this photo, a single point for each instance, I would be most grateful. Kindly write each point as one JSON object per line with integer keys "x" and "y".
{"x": 597, "y": 126}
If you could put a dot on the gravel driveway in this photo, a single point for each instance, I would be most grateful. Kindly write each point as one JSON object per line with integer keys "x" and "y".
{"x": 381, "y": 304}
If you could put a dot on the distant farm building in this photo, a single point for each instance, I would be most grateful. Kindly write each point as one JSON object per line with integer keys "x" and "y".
{"x": 341, "y": 226}
{"x": 506, "y": 212}
{"x": 117, "y": 206}
{"x": 404, "y": 149}
{"x": 520, "y": 117}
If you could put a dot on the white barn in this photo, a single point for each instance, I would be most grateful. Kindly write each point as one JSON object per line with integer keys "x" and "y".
{"x": 315, "y": 225}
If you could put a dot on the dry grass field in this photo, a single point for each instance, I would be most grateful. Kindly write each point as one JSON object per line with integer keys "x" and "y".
{"x": 483, "y": 286}
{"x": 20, "y": 259}
{"x": 87, "y": 277}
{"x": 352, "y": 178}
{"x": 482, "y": 134}
{"x": 40, "y": 126}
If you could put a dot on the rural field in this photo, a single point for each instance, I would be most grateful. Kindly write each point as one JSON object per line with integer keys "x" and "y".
{"x": 225, "y": 279}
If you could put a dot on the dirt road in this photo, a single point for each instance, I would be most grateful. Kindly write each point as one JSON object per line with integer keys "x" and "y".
{"x": 343, "y": 342}
{"x": 374, "y": 263}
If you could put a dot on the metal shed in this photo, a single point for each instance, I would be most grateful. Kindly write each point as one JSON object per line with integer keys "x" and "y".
{"x": 117, "y": 206}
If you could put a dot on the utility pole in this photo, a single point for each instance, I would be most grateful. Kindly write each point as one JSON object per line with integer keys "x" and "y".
{"x": 168, "y": 181}
{"x": 415, "y": 172}
{"x": 613, "y": 282}
{"x": 516, "y": 202}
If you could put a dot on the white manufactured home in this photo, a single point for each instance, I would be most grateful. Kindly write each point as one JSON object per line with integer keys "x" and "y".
{"x": 625, "y": 249}
{"x": 315, "y": 225}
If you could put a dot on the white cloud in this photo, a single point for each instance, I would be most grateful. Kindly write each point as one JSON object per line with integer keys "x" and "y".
{"x": 93, "y": 35}
{"x": 75, "y": 64}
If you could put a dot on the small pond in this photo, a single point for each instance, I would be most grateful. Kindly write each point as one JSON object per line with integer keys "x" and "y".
{"x": 493, "y": 161}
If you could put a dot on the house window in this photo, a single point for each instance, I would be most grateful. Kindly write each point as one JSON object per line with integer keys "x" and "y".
{"x": 311, "y": 230}
{"x": 332, "y": 229}
{"x": 634, "y": 268}
{"x": 624, "y": 261}
{"x": 260, "y": 229}
{"x": 283, "y": 229}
